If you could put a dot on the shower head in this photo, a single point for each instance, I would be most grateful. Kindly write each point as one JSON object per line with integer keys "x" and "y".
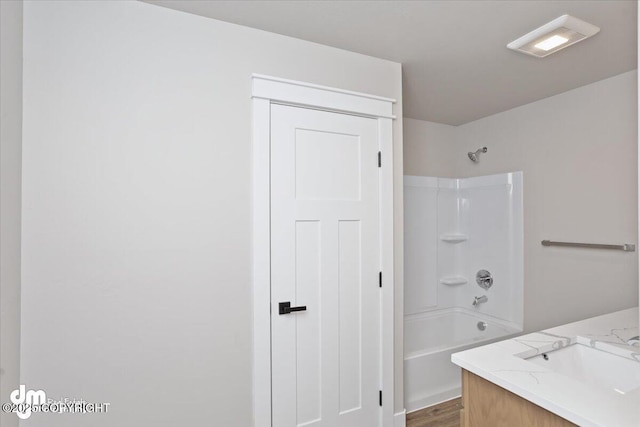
{"x": 475, "y": 155}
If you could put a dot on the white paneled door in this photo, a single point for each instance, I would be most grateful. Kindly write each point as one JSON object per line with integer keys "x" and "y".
{"x": 325, "y": 261}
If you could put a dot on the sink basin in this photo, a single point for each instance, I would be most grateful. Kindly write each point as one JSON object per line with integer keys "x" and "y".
{"x": 592, "y": 366}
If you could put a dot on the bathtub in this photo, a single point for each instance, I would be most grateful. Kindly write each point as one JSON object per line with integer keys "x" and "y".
{"x": 430, "y": 339}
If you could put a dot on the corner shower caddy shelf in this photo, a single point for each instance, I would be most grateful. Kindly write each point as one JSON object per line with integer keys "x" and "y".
{"x": 454, "y": 237}
{"x": 453, "y": 280}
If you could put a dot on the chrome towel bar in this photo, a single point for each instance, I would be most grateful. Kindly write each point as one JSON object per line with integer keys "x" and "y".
{"x": 627, "y": 247}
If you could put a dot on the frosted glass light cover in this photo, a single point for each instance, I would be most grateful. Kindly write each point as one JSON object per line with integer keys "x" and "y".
{"x": 551, "y": 42}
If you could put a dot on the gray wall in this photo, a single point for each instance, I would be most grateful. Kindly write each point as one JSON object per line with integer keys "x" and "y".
{"x": 10, "y": 158}
{"x": 137, "y": 205}
{"x": 578, "y": 151}
{"x": 429, "y": 148}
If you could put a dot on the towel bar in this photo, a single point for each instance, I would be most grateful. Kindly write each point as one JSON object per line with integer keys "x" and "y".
{"x": 626, "y": 247}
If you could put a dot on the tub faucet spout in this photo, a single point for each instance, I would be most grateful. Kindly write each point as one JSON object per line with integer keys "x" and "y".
{"x": 479, "y": 300}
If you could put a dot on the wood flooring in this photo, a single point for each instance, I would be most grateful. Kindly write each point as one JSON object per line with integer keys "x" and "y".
{"x": 445, "y": 414}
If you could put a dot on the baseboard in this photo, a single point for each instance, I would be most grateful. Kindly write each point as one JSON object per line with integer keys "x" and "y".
{"x": 400, "y": 419}
{"x": 434, "y": 399}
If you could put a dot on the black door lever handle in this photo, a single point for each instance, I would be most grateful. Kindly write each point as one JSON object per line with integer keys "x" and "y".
{"x": 285, "y": 308}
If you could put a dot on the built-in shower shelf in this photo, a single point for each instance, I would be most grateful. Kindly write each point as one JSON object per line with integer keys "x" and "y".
{"x": 453, "y": 238}
{"x": 453, "y": 280}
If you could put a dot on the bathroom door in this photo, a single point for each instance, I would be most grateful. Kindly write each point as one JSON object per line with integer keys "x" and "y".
{"x": 325, "y": 261}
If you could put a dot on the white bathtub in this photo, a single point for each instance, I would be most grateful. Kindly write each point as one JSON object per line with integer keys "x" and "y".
{"x": 430, "y": 338}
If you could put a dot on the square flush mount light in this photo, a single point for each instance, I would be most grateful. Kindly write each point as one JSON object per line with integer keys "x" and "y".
{"x": 556, "y": 35}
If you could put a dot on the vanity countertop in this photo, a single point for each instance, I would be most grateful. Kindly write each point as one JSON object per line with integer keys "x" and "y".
{"x": 503, "y": 363}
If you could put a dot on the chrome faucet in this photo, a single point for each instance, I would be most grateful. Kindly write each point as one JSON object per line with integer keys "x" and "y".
{"x": 479, "y": 300}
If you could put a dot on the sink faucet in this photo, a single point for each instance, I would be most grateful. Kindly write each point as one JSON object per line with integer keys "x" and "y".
{"x": 479, "y": 300}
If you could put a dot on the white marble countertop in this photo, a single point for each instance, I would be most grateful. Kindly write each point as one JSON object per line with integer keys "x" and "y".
{"x": 503, "y": 363}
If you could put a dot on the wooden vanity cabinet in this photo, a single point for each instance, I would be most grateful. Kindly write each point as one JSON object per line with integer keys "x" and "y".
{"x": 485, "y": 404}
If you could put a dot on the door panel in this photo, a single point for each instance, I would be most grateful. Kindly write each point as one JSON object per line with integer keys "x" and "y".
{"x": 308, "y": 367}
{"x": 314, "y": 151}
{"x": 325, "y": 255}
{"x": 350, "y": 315}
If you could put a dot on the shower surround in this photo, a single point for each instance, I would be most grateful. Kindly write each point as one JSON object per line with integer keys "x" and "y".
{"x": 454, "y": 228}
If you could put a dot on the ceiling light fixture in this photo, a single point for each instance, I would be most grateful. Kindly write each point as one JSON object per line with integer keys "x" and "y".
{"x": 556, "y": 35}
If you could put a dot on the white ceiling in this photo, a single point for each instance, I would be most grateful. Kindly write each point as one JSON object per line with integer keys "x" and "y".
{"x": 456, "y": 67}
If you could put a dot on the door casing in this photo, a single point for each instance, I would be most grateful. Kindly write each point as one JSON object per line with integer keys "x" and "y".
{"x": 268, "y": 90}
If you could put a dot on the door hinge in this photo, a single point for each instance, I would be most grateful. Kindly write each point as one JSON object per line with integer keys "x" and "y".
{"x": 380, "y": 279}
{"x": 380, "y": 398}
{"x": 379, "y": 159}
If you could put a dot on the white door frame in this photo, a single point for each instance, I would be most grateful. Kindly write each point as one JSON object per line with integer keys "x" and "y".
{"x": 269, "y": 90}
